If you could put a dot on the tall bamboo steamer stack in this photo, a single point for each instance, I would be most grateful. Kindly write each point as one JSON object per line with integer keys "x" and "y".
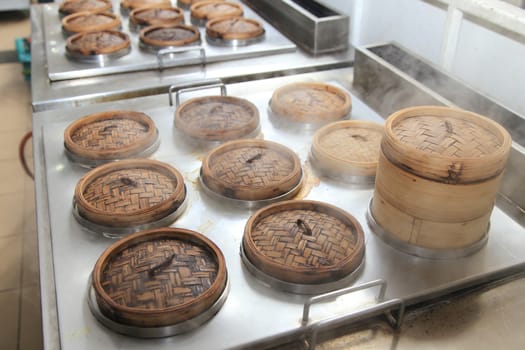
{"x": 437, "y": 178}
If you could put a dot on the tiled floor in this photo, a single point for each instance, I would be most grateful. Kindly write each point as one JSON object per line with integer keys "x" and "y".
{"x": 20, "y": 317}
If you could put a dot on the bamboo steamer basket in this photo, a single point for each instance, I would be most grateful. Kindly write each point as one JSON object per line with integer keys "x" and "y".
{"x": 159, "y": 277}
{"x": 73, "y": 6}
{"x": 90, "y": 21}
{"x": 347, "y": 149}
{"x": 438, "y": 175}
{"x": 130, "y": 192}
{"x": 310, "y": 102}
{"x": 129, "y": 5}
{"x": 213, "y": 9}
{"x": 111, "y": 135}
{"x": 156, "y": 16}
{"x": 251, "y": 170}
{"x": 304, "y": 242}
{"x": 230, "y": 29}
{"x": 160, "y": 36}
{"x": 217, "y": 118}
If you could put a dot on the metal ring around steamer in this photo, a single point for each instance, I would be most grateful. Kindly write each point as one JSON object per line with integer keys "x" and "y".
{"x": 354, "y": 179}
{"x": 155, "y": 49}
{"x": 297, "y": 288}
{"x": 251, "y": 204}
{"x": 155, "y": 332}
{"x": 283, "y": 123}
{"x": 201, "y": 143}
{"x": 100, "y": 58}
{"x": 119, "y": 232}
{"x": 447, "y": 253}
{"x": 92, "y": 163}
{"x": 234, "y": 42}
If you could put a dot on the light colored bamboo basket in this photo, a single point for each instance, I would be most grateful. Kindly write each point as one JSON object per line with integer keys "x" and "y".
{"x": 438, "y": 175}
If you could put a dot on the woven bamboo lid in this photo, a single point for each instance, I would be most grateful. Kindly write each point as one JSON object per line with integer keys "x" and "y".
{"x": 110, "y": 135}
{"x": 156, "y": 16}
{"x": 212, "y": 9}
{"x": 97, "y": 43}
{"x": 251, "y": 170}
{"x": 217, "y": 118}
{"x": 133, "y": 4}
{"x": 160, "y": 36}
{"x": 89, "y": 21}
{"x": 310, "y": 102}
{"x": 304, "y": 242}
{"x": 349, "y": 147}
{"x": 73, "y": 6}
{"x": 446, "y": 144}
{"x": 159, "y": 277}
{"x": 129, "y": 193}
{"x": 188, "y": 3}
{"x": 233, "y": 28}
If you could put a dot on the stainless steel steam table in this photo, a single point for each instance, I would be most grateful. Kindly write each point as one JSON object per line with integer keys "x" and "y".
{"x": 253, "y": 314}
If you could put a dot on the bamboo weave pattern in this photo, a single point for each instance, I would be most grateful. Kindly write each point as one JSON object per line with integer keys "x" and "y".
{"x": 215, "y": 115}
{"x": 127, "y": 280}
{"x": 446, "y": 136}
{"x": 125, "y": 191}
{"x": 109, "y": 134}
{"x": 281, "y": 239}
{"x": 251, "y": 166}
{"x": 353, "y": 144}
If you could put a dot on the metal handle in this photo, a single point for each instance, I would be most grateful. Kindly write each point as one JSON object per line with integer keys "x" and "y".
{"x": 163, "y": 52}
{"x": 384, "y": 307}
{"x": 195, "y": 86}
{"x": 322, "y": 297}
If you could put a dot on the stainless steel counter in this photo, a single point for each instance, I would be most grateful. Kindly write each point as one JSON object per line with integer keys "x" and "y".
{"x": 253, "y": 314}
{"x": 75, "y": 92}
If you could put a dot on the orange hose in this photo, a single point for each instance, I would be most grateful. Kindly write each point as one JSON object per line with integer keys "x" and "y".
{"x": 21, "y": 154}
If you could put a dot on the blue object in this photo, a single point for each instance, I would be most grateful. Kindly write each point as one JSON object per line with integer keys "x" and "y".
{"x": 23, "y": 50}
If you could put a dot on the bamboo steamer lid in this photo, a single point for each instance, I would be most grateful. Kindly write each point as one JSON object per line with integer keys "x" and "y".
{"x": 110, "y": 135}
{"x": 349, "y": 147}
{"x": 157, "y": 16}
{"x": 159, "y": 277}
{"x": 217, "y": 118}
{"x": 234, "y": 28}
{"x": 188, "y": 3}
{"x": 134, "y": 4}
{"x": 129, "y": 193}
{"x": 310, "y": 102}
{"x": 306, "y": 242}
{"x": 89, "y": 21}
{"x": 212, "y": 9}
{"x": 73, "y": 6}
{"x": 161, "y": 36}
{"x": 446, "y": 144}
{"x": 438, "y": 175}
{"x": 251, "y": 170}
{"x": 97, "y": 43}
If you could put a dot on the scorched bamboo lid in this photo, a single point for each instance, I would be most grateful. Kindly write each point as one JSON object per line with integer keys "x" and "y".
{"x": 305, "y": 242}
{"x": 217, "y": 118}
{"x": 97, "y": 43}
{"x": 207, "y": 10}
{"x": 446, "y": 144}
{"x": 129, "y": 193}
{"x": 159, "y": 278}
{"x": 156, "y": 16}
{"x": 251, "y": 170}
{"x": 310, "y": 102}
{"x": 72, "y": 6}
{"x": 349, "y": 147}
{"x": 112, "y": 135}
{"x": 225, "y": 29}
{"x": 159, "y": 36}
{"x": 89, "y": 21}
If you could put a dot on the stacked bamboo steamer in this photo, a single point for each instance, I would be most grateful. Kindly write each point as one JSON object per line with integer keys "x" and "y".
{"x": 438, "y": 175}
